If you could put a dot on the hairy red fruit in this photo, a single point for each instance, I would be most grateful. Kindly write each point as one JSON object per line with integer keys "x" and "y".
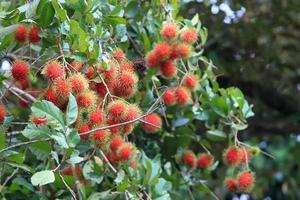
{"x": 169, "y": 31}
{"x": 183, "y": 50}
{"x": 116, "y": 142}
{"x": 126, "y": 84}
{"x": 205, "y": 161}
{"x": 90, "y": 73}
{"x": 25, "y": 84}
{"x": 2, "y": 113}
{"x": 86, "y": 99}
{"x": 101, "y": 89}
{"x": 190, "y": 81}
{"x": 132, "y": 112}
{"x": 100, "y": 135}
{"x": 245, "y": 155}
{"x": 76, "y": 66}
{"x": 62, "y": 89}
{"x": 39, "y": 120}
{"x": 173, "y": 54}
{"x": 231, "y": 184}
{"x": 231, "y": 156}
{"x": 183, "y": 96}
{"x": 116, "y": 129}
{"x": 78, "y": 83}
{"x": 124, "y": 151}
{"x": 33, "y": 35}
{"x": 112, "y": 157}
{"x": 189, "y": 159}
{"x": 21, "y": 33}
{"x": 84, "y": 128}
{"x": 53, "y": 71}
{"x": 20, "y": 70}
{"x": 116, "y": 110}
{"x": 127, "y": 66}
{"x": 23, "y": 103}
{"x": 152, "y": 60}
{"x": 119, "y": 55}
{"x": 168, "y": 70}
{"x": 69, "y": 172}
{"x": 189, "y": 36}
{"x": 50, "y": 95}
{"x": 96, "y": 117}
{"x": 151, "y": 123}
{"x": 162, "y": 51}
{"x": 128, "y": 128}
{"x": 169, "y": 97}
{"x": 246, "y": 181}
{"x": 111, "y": 73}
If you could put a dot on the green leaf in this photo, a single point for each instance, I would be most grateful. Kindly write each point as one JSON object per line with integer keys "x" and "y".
{"x": 216, "y": 135}
{"x": 2, "y": 140}
{"x": 42, "y": 178}
{"x": 47, "y": 15}
{"x": 40, "y": 149}
{"x": 73, "y": 138}
{"x": 7, "y": 30}
{"x": 60, "y": 139}
{"x": 21, "y": 166}
{"x": 72, "y": 110}
{"x": 114, "y": 20}
{"x": 60, "y": 11}
{"x": 219, "y": 105}
{"x": 33, "y": 131}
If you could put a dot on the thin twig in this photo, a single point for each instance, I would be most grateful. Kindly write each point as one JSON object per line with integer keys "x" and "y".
{"x": 7, "y": 179}
{"x": 23, "y": 143}
{"x": 68, "y": 187}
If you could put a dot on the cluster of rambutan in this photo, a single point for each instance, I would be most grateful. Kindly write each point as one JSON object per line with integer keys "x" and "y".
{"x": 177, "y": 44}
{"x": 202, "y": 161}
{"x": 239, "y": 157}
{"x": 23, "y": 33}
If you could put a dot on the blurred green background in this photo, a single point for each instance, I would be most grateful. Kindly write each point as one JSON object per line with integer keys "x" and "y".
{"x": 256, "y": 45}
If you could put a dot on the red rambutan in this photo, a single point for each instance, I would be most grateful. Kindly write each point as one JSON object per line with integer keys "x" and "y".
{"x": 246, "y": 181}
{"x": 190, "y": 81}
{"x": 205, "y": 161}
{"x": 162, "y": 51}
{"x": 128, "y": 128}
{"x": 21, "y": 33}
{"x": 50, "y": 95}
{"x": 245, "y": 155}
{"x": 152, "y": 60}
{"x": 20, "y": 70}
{"x": 39, "y": 120}
{"x": 62, "y": 89}
{"x": 112, "y": 72}
{"x": 25, "y": 84}
{"x": 84, "y": 128}
{"x": 116, "y": 110}
{"x": 2, "y": 113}
{"x": 169, "y": 97}
{"x": 69, "y": 172}
{"x": 127, "y": 66}
{"x": 90, "y": 73}
{"x": 173, "y": 54}
{"x": 116, "y": 142}
{"x": 23, "y": 103}
{"x": 78, "y": 83}
{"x": 101, "y": 89}
{"x": 169, "y": 31}
{"x": 119, "y": 55}
{"x": 53, "y": 71}
{"x": 231, "y": 184}
{"x": 183, "y": 50}
{"x": 189, "y": 159}
{"x": 125, "y": 85}
{"x": 76, "y": 66}
{"x": 33, "y": 35}
{"x": 96, "y": 117}
{"x": 151, "y": 123}
{"x": 86, "y": 99}
{"x": 112, "y": 157}
{"x": 116, "y": 129}
{"x": 132, "y": 112}
{"x": 189, "y": 36}
{"x": 124, "y": 151}
{"x": 183, "y": 96}
{"x": 168, "y": 70}
{"x": 231, "y": 156}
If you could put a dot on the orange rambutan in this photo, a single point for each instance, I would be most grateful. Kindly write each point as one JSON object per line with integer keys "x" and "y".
{"x": 246, "y": 181}
{"x": 124, "y": 151}
{"x": 119, "y": 55}
{"x": 132, "y": 112}
{"x": 82, "y": 129}
{"x": 151, "y": 123}
{"x": 231, "y": 156}
{"x": 183, "y": 50}
{"x": 76, "y": 66}
{"x": 86, "y": 99}
{"x": 2, "y": 113}
{"x": 169, "y": 97}
{"x": 189, "y": 158}
{"x": 116, "y": 142}
{"x": 168, "y": 70}
{"x": 183, "y": 96}
{"x": 190, "y": 81}
{"x": 101, "y": 137}
{"x": 169, "y": 31}
{"x": 21, "y": 33}
{"x": 173, "y": 54}
{"x": 20, "y": 70}
{"x": 116, "y": 129}
{"x": 205, "y": 161}
{"x": 50, "y": 95}
{"x": 127, "y": 66}
{"x": 162, "y": 51}
{"x": 78, "y": 83}
{"x": 96, "y": 117}
{"x": 53, "y": 71}
{"x": 125, "y": 85}
{"x": 90, "y": 73}
{"x": 62, "y": 89}
{"x": 116, "y": 110}
{"x": 231, "y": 184}
{"x": 33, "y": 35}
{"x": 245, "y": 155}
{"x": 189, "y": 36}
{"x": 152, "y": 60}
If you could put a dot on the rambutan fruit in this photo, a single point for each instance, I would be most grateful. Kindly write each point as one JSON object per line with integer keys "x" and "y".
{"x": 101, "y": 137}
{"x": 189, "y": 159}
{"x": 113, "y": 130}
{"x": 190, "y": 81}
{"x": 168, "y": 70}
{"x": 173, "y": 54}
{"x": 86, "y": 99}
{"x": 116, "y": 110}
{"x": 124, "y": 151}
{"x": 101, "y": 89}
{"x": 246, "y": 181}
{"x": 132, "y": 112}
{"x": 245, "y": 155}
{"x": 96, "y": 117}
{"x": 162, "y": 51}
{"x": 231, "y": 184}
{"x": 152, "y": 60}
{"x": 183, "y": 96}
{"x": 20, "y": 70}
{"x": 189, "y": 36}
{"x": 231, "y": 156}
{"x": 151, "y": 123}
{"x": 50, "y": 95}
{"x": 23, "y": 103}
{"x": 205, "y": 161}
{"x": 53, "y": 71}
{"x": 21, "y": 33}
{"x": 169, "y": 31}
{"x": 127, "y": 66}
{"x": 112, "y": 157}
{"x": 84, "y": 128}
{"x": 169, "y": 97}
{"x": 25, "y": 84}
{"x": 119, "y": 55}
{"x": 128, "y": 128}
{"x": 125, "y": 85}
{"x": 69, "y": 172}
{"x": 62, "y": 89}
{"x": 2, "y": 113}
{"x": 90, "y": 73}
{"x": 183, "y": 50}
{"x": 33, "y": 35}
{"x": 76, "y": 66}
{"x": 116, "y": 142}
{"x": 112, "y": 72}
{"x": 39, "y": 120}
{"x": 78, "y": 83}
